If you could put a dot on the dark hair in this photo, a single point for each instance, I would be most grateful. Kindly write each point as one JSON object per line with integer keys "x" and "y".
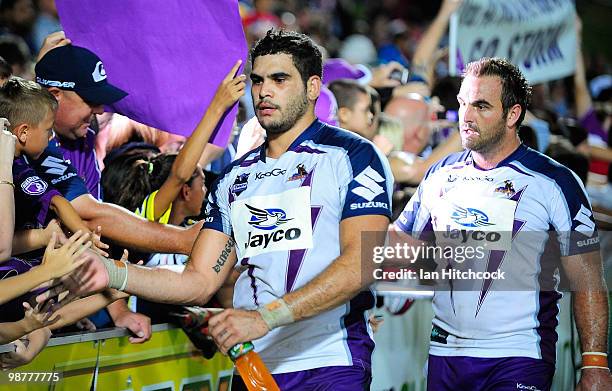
{"x": 23, "y": 101}
{"x": 446, "y": 90}
{"x": 515, "y": 89}
{"x": 117, "y": 165}
{"x": 305, "y": 55}
{"x": 5, "y": 69}
{"x": 139, "y": 177}
{"x": 14, "y": 50}
{"x": 346, "y": 92}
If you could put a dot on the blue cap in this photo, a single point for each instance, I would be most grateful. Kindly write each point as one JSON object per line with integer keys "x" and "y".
{"x": 77, "y": 69}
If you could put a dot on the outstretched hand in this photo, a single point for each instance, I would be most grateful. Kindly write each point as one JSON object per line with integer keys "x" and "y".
{"x": 63, "y": 260}
{"x": 231, "y": 88}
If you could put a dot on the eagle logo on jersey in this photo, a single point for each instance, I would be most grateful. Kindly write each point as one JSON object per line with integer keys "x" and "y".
{"x": 240, "y": 184}
{"x": 300, "y": 174}
{"x": 507, "y": 189}
{"x": 470, "y": 217}
{"x": 267, "y": 219}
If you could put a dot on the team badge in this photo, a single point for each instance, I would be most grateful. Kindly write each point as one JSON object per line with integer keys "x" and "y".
{"x": 34, "y": 186}
{"x": 301, "y": 173}
{"x": 240, "y": 184}
{"x": 507, "y": 189}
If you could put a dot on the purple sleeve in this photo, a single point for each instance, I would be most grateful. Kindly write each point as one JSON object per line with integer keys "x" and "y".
{"x": 590, "y": 122}
{"x": 88, "y": 169}
{"x": 82, "y": 155}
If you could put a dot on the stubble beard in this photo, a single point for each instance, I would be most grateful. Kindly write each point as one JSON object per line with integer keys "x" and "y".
{"x": 295, "y": 109}
{"x": 488, "y": 141}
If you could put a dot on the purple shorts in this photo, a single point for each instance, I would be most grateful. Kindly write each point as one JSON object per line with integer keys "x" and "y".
{"x": 339, "y": 378}
{"x": 488, "y": 374}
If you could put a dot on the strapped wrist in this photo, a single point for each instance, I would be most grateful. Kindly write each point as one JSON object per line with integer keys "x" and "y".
{"x": 594, "y": 360}
{"x": 276, "y": 314}
{"x": 117, "y": 273}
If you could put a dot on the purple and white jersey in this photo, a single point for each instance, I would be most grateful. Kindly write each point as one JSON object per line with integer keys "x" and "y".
{"x": 523, "y": 209}
{"x": 32, "y": 196}
{"x": 284, "y": 215}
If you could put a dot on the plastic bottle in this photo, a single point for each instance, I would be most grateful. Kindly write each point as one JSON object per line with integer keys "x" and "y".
{"x": 252, "y": 369}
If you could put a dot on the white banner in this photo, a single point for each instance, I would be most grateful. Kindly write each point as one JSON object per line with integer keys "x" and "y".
{"x": 538, "y": 36}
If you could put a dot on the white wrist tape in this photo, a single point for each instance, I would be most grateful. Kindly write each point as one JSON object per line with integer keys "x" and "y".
{"x": 276, "y": 314}
{"x": 117, "y": 273}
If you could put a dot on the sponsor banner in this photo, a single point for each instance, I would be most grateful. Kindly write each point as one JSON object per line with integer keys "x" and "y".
{"x": 474, "y": 220}
{"x": 537, "y": 36}
{"x": 167, "y": 362}
{"x": 169, "y": 56}
{"x": 277, "y": 222}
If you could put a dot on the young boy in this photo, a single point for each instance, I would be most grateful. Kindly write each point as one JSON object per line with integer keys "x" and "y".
{"x": 30, "y": 110}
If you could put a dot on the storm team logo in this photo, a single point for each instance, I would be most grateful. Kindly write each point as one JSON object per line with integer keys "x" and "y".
{"x": 34, "y": 186}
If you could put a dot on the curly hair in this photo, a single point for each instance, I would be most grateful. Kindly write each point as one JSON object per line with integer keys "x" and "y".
{"x": 515, "y": 88}
{"x": 304, "y": 53}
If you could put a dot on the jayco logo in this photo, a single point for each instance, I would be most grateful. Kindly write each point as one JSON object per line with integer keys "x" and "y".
{"x": 267, "y": 220}
{"x": 99, "y": 73}
{"x": 466, "y": 235}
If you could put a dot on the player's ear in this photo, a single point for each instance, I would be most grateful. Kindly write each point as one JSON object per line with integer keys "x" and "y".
{"x": 513, "y": 115}
{"x": 313, "y": 87}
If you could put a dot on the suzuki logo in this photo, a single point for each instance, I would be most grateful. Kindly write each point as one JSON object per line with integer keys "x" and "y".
{"x": 55, "y": 166}
{"x": 370, "y": 188}
{"x": 587, "y": 226}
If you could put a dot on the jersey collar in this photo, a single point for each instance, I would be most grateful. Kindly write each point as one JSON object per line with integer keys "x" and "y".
{"x": 307, "y": 134}
{"x": 518, "y": 153}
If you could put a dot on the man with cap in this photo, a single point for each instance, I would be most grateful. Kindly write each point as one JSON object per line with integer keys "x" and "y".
{"x": 77, "y": 79}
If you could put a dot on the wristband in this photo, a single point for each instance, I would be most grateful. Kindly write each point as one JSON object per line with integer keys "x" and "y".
{"x": 117, "y": 273}
{"x": 594, "y": 359}
{"x": 276, "y": 314}
{"x": 594, "y": 367}
{"x": 7, "y": 183}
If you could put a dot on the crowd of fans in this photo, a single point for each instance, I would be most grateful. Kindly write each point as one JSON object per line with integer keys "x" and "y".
{"x": 385, "y": 77}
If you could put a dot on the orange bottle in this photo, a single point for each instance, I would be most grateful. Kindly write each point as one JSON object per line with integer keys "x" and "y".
{"x": 252, "y": 369}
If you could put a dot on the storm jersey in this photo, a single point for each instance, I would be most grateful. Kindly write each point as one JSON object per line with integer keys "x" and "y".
{"x": 520, "y": 214}
{"x": 71, "y": 166}
{"x": 284, "y": 215}
{"x": 32, "y": 196}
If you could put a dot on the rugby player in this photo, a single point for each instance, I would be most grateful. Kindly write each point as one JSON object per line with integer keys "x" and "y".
{"x": 291, "y": 214}
{"x": 501, "y": 335}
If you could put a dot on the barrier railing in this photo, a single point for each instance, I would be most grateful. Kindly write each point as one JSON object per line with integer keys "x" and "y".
{"x": 105, "y": 360}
